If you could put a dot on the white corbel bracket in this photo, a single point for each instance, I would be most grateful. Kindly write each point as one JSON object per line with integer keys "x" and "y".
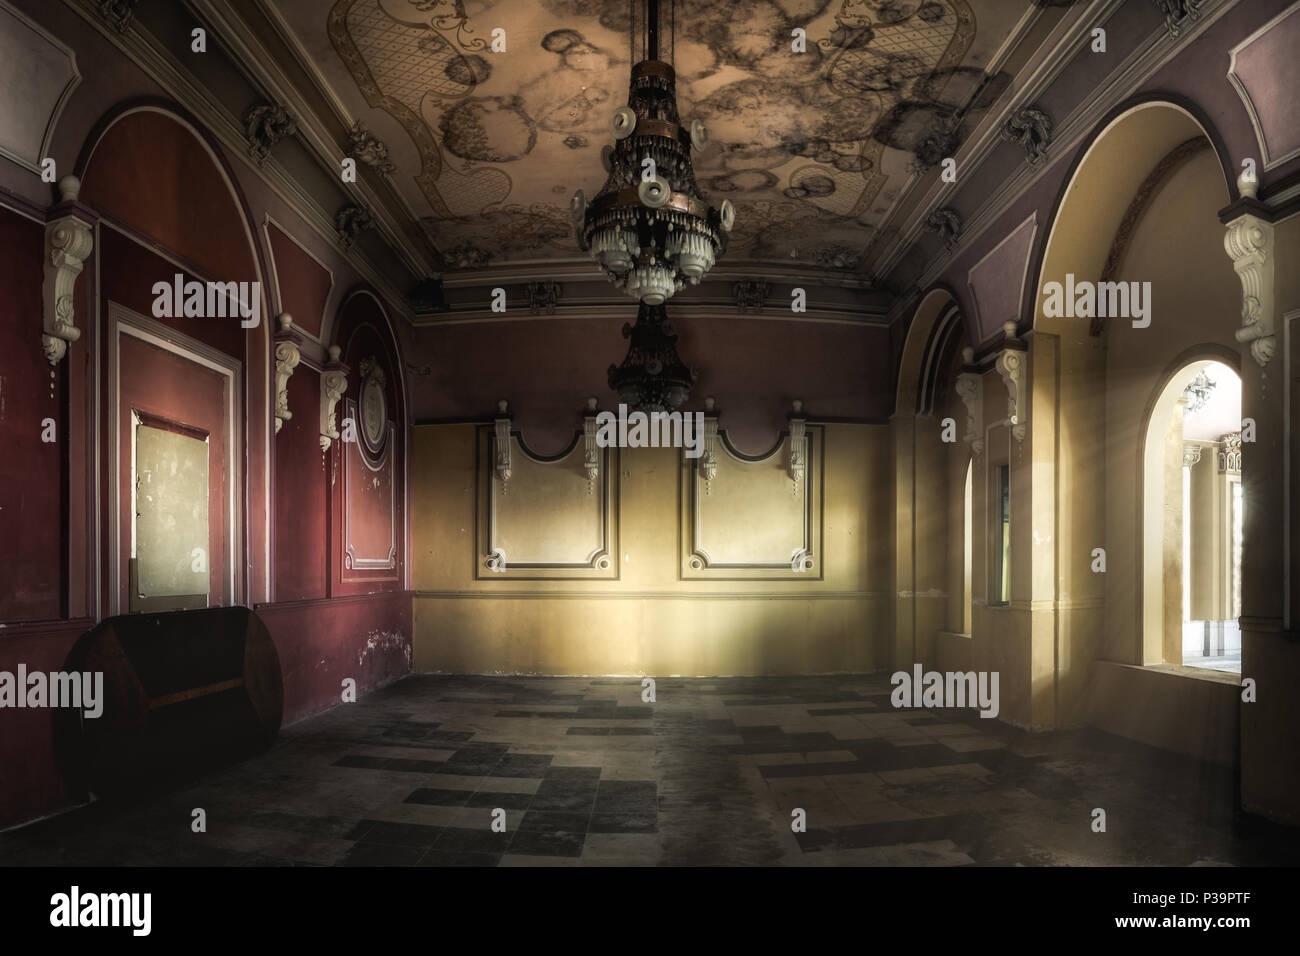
{"x": 333, "y": 383}
{"x": 1010, "y": 365}
{"x": 1249, "y": 243}
{"x": 68, "y": 242}
{"x": 501, "y": 456}
{"x": 970, "y": 389}
{"x": 287, "y": 357}
{"x": 708, "y": 460}
{"x": 798, "y": 446}
{"x": 591, "y": 451}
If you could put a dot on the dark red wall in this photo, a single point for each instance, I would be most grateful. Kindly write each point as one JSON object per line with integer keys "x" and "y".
{"x": 301, "y": 495}
{"x": 151, "y": 173}
{"x": 164, "y": 200}
{"x": 753, "y": 367}
{"x": 32, "y": 524}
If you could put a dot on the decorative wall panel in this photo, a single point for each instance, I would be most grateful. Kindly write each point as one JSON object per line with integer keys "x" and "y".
{"x": 550, "y": 518}
{"x": 369, "y": 499}
{"x": 754, "y": 517}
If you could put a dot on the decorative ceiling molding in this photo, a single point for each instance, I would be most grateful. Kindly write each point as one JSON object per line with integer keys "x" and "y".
{"x": 1049, "y": 60}
{"x": 262, "y": 68}
{"x": 1118, "y": 85}
{"x": 164, "y": 69}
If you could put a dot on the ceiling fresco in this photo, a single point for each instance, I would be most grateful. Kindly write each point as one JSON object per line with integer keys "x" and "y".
{"x": 813, "y": 148}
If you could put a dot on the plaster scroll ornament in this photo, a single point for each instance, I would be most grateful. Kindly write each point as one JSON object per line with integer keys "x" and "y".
{"x": 1249, "y": 243}
{"x": 265, "y": 124}
{"x": 501, "y": 444}
{"x": 287, "y": 357}
{"x": 1010, "y": 366}
{"x": 798, "y": 447}
{"x": 591, "y": 451}
{"x": 970, "y": 389}
{"x": 333, "y": 383}
{"x": 68, "y": 242}
{"x": 708, "y": 460}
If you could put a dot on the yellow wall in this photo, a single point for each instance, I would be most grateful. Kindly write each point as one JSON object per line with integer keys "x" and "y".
{"x": 649, "y": 621}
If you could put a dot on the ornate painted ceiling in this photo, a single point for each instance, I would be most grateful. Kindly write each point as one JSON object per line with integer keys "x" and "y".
{"x": 813, "y": 148}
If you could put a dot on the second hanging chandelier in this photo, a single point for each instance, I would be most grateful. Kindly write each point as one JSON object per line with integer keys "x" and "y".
{"x": 649, "y": 228}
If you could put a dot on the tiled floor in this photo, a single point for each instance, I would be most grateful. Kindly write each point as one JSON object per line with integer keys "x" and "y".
{"x": 582, "y": 772}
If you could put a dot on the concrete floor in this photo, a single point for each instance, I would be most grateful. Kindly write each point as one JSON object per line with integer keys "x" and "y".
{"x": 587, "y": 774}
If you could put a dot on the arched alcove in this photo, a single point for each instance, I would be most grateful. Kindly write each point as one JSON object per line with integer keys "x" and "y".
{"x": 170, "y": 207}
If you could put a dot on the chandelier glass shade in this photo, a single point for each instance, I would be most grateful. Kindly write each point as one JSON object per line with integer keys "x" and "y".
{"x": 648, "y": 228}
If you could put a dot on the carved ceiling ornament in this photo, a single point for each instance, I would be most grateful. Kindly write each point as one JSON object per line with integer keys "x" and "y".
{"x": 1030, "y": 128}
{"x": 350, "y": 222}
{"x": 265, "y": 124}
{"x": 68, "y": 242}
{"x": 367, "y": 148}
{"x": 947, "y": 223}
{"x": 543, "y": 297}
{"x": 1178, "y": 13}
{"x": 1249, "y": 243}
{"x": 333, "y": 383}
{"x": 118, "y": 13}
{"x": 751, "y": 295}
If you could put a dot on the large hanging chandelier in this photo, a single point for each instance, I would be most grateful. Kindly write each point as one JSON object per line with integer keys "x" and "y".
{"x": 649, "y": 228}
{"x": 652, "y": 378}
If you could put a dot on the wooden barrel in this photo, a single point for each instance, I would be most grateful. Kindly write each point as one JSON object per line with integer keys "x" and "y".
{"x": 183, "y": 692}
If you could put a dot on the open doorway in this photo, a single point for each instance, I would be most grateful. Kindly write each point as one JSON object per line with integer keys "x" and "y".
{"x": 1193, "y": 507}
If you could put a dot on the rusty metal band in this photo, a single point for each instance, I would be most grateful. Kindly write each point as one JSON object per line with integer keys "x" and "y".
{"x": 628, "y": 198}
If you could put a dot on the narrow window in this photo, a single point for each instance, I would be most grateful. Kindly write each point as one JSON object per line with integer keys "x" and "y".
{"x": 1002, "y": 554}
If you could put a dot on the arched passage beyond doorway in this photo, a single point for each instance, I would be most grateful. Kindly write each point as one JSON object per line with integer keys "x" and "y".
{"x": 1192, "y": 508}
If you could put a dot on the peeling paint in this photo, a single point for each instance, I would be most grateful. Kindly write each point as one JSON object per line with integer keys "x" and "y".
{"x": 384, "y": 643}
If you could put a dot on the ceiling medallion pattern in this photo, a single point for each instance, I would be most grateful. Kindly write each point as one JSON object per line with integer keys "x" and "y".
{"x": 824, "y": 139}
